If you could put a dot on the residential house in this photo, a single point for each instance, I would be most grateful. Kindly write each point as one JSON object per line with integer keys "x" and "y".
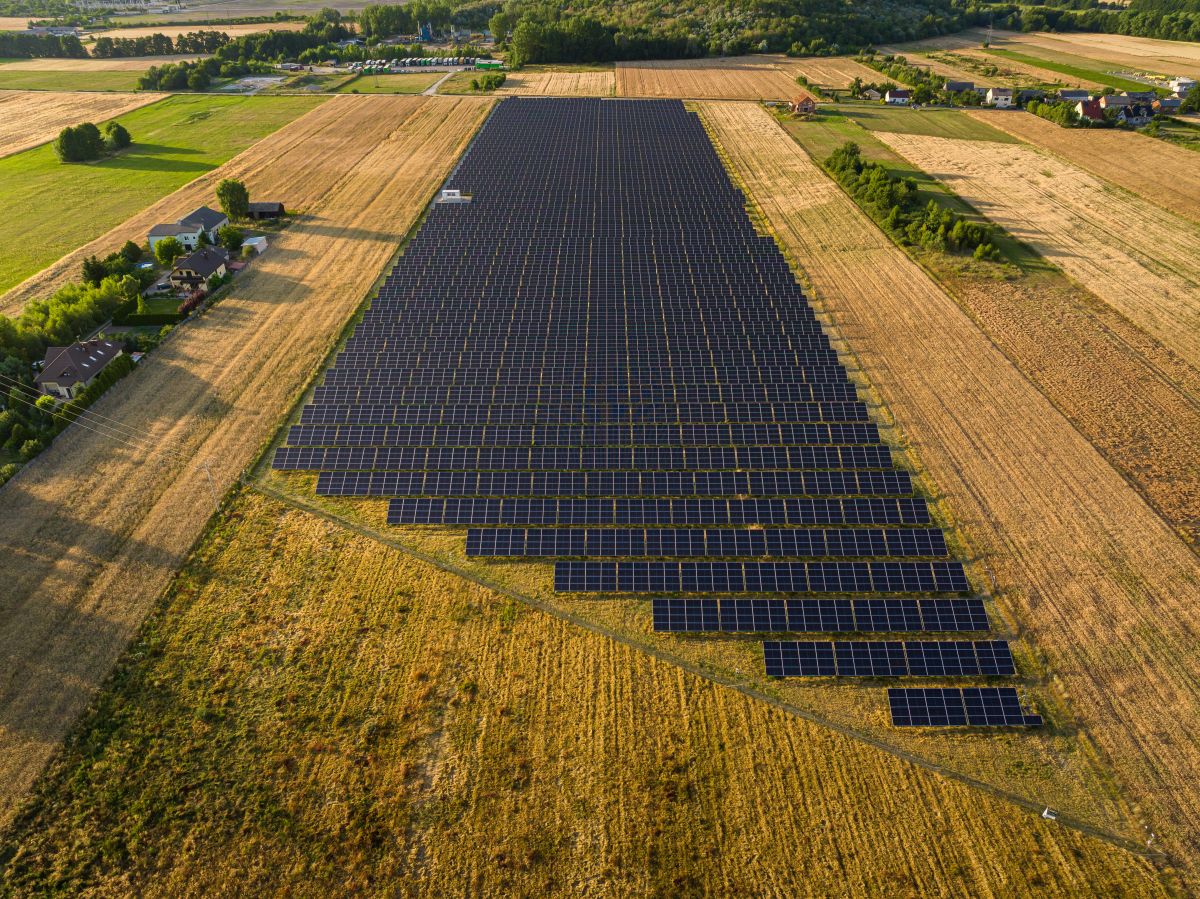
{"x": 1166, "y": 105}
{"x": 1140, "y": 96}
{"x": 898, "y": 97}
{"x": 1182, "y": 86}
{"x": 1000, "y": 97}
{"x": 871, "y": 94}
{"x": 262, "y": 210}
{"x": 957, "y": 87}
{"x": 188, "y": 235}
{"x": 803, "y": 105}
{"x": 1135, "y": 116}
{"x": 1091, "y": 110}
{"x": 67, "y": 370}
{"x": 194, "y": 270}
{"x": 1074, "y": 96}
{"x": 189, "y": 228}
{"x": 1115, "y": 101}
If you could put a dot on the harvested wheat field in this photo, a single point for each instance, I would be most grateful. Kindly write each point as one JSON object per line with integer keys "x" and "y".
{"x": 1138, "y": 258}
{"x": 426, "y": 731}
{"x": 175, "y": 29}
{"x": 128, "y": 64}
{"x": 725, "y": 78}
{"x": 1100, "y": 583}
{"x": 559, "y": 84}
{"x": 30, "y": 118}
{"x": 1134, "y": 54}
{"x": 294, "y": 165}
{"x": 1160, "y": 172}
{"x": 1033, "y": 74}
{"x": 937, "y": 66}
{"x": 14, "y": 23}
{"x": 835, "y": 72}
{"x": 93, "y": 529}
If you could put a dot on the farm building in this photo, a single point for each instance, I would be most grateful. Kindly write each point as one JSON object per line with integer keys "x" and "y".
{"x": 1024, "y": 96}
{"x": 1166, "y": 105}
{"x": 189, "y": 228}
{"x": 1000, "y": 97}
{"x": 195, "y": 269}
{"x": 898, "y": 97}
{"x": 67, "y": 370}
{"x": 1090, "y": 109}
{"x": 804, "y": 105}
{"x": 1074, "y": 96}
{"x": 1182, "y": 86}
{"x": 1115, "y": 101}
{"x": 265, "y": 210}
{"x": 871, "y": 94}
{"x": 958, "y": 87}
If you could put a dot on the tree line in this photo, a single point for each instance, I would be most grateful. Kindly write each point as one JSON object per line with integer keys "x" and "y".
{"x": 28, "y": 46}
{"x": 159, "y": 44}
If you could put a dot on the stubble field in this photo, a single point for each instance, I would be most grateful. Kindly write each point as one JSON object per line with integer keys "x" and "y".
{"x": 29, "y": 119}
{"x": 342, "y": 718}
{"x": 1138, "y": 258}
{"x": 174, "y": 30}
{"x": 93, "y": 530}
{"x": 726, "y": 78}
{"x": 118, "y": 64}
{"x": 559, "y": 84}
{"x": 832, "y": 72}
{"x": 1127, "y": 159}
{"x": 1095, "y": 577}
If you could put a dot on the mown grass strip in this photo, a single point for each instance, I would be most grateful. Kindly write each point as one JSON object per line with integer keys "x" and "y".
{"x": 1098, "y": 74}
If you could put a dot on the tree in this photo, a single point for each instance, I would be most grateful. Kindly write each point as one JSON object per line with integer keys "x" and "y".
{"x": 230, "y": 238}
{"x": 500, "y": 25}
{"x": 131, "y": 251}
{"x": 234, "y": 198}
{"x": 168, "y": 250}
{"x": 94, "y": 271}
{"x": 116, "y": 136}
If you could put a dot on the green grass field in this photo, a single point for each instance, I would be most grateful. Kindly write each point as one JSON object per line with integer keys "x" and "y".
{"x": 412, "y": 83}
{"x": 175, "y": 140}
{"x": 1077, "y": 67}
{"x": 930, "y": 122}
{"x": 23, "y": 80}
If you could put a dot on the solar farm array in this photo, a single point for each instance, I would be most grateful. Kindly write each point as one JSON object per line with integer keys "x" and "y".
{"x": 599, "y": 361}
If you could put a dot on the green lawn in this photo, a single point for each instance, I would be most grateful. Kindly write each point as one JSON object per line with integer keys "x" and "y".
{"x": 1076, "y": 67}
{"x": 930, "y": 122}
{"x": 828, "y": 130}
{"x": 407, "y": 83}
{"x": 24, "y": 80}
{"x": 175, "y": 140}
{"x": 309, "y": 82}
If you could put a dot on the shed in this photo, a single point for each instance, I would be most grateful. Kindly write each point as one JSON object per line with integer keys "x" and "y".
{"x": 265, "y": 210}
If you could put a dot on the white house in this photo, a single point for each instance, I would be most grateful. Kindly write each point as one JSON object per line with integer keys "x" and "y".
{"x": 1000, "y": 97}
{"x": 1182, "y": 86}
{"x": 898, "y": 97}
{"x": 189, "y": 228}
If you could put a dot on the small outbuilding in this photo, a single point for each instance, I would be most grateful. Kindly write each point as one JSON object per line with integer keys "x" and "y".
{"x": 803, "y": 105}
{"x": 67, "y": 370}
{"x": 265, "y": 210}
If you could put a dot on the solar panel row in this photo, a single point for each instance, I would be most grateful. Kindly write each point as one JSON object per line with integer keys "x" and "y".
{"x": 959, "y": 706}
{"x": 766, "y": 615}
{"x": 888, "y": 658}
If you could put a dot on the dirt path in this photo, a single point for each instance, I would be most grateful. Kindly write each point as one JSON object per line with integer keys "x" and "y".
{"x": 1101, "y": 583}
{"x": 31, "y": 118}
{"x": 93, "y": 530}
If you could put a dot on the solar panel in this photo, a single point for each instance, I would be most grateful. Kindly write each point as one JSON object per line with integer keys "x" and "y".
{"x": 888, "y": 658}
{"x": 827, "y": 615}
{"x": 959, "y": 706}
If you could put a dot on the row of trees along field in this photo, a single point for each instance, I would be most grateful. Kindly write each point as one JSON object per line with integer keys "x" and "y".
{"x": 159, "y": 44}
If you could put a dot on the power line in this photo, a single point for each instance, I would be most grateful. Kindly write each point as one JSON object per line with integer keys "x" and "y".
{"x": 12, "y": 383}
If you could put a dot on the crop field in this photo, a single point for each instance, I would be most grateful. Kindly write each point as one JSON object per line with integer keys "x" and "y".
{"x": 1079, "y": 558}
{"x": 560, "y": 84}
{"x": 932, "y": 122}
{"x": 413, "y": 83}
{"x": 832, "y": 72}
{"x": 175, "y": 141}
{"x": 1022, "y": 72}
{"x": 491, "y": 743}
{"x": 94, "y": 529}
{"x": 1116, "y": 51}
{"x": 1127, "y": 159}
{"x": 29, "y": 119}
{"x": 174, "y": 30}
{"x": 726, "y": 78}
{"x": 1075, "y": 67}
{"x": 29, "y": 80}
{"x": 1138, "y": 258}
{"x": 127, "y": 64}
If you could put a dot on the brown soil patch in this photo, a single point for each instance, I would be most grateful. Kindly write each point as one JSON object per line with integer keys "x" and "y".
{"x": 93, "y": 530}
{"x": 1100, "y": 581}
{"x": 30, "y": 118}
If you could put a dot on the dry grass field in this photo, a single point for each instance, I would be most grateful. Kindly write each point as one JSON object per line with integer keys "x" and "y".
{"x": 128, "y": 64}
{"x": 1099, "y": 582}
{"x": 1137, "y": 54}
{"x": 92, "y": 531}
{"x": 14, "y": 23}
{"x": 30, "y": 118}
{"x": 559, "y": 84}
{"x": 725, "y": 78}
{"x": 1023, "y": 74}
{"x": 1138, "y": 258}
{"x": 173, "y": 31}
{"x": 832, "y": 71}
{"x": 938, "y": 65}
{"x": 1130, "y": 160}
{"x": 343, "y": 719}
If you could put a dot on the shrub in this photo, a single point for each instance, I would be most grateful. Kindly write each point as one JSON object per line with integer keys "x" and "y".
{"x": 116, "y": 136}
{"x": 168, "y": 250}
{"x": 79, "y": 143}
